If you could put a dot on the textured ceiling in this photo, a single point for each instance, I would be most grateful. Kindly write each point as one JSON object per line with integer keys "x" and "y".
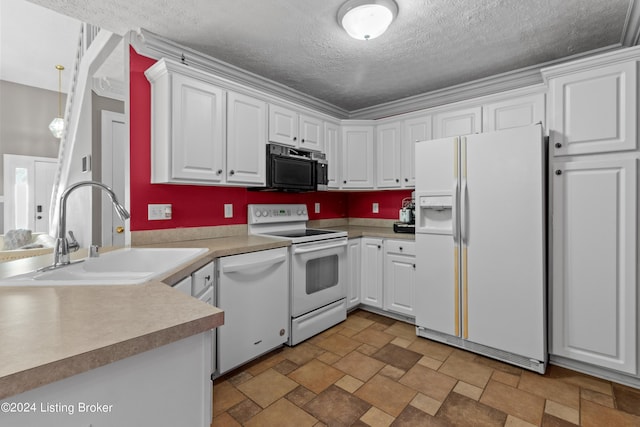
{"x": 431, "y": 45}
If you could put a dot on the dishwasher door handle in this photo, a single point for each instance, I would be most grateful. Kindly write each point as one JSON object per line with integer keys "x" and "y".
{"x": 234, "y": 268}
{"x": 305, "y": 250}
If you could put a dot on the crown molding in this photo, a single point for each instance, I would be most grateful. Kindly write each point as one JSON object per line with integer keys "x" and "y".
{"x": 511, "y": 80}
{"x": 631, "y": 31}
{"x": 613, "y": 57}
{"x": 157, "y": 47}
{"x": 108, "y": 88}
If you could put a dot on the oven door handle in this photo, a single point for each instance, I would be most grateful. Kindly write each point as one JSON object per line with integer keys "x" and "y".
{"x": 234, "y": 268}
{"x": 305, "y": 250}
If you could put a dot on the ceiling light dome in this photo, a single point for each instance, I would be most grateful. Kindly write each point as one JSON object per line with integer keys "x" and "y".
{"x": 367, "y": 19}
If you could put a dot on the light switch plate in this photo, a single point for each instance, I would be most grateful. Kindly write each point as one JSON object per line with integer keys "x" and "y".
{"x": 375, "y": 208}
{"x": 317, "y": 208}
{"x": 159, "y": 212}
{"x": 228, "y": 210}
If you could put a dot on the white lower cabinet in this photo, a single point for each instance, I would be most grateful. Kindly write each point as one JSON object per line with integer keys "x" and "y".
{"x": 371, "y": 268}
{"x": 399, "y": 276}
{"x": 253, "y": 291}
{"x": 166, "y": 386}
{"x": 594, "y": 301}
{"x": 353, "y": 282}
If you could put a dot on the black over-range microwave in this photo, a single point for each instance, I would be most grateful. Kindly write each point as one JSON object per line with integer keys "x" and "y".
{"x": 290, "y": 169}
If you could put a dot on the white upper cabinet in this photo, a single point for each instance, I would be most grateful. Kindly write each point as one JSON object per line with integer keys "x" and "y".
{"x": 389, "y": 155}
{"x": 246, "y": 139}
{"x": 594, "y": 110}
{"x": 594, "y": 307}
{"x": 332, "y": 150}
{"x": 416, "y": 129}
{"x": 357, "y": 157}
{"x": 187, "y": 126}
{"x": 513, "y": 112}
{"x": 283, "y": 125}
{"x": 297, "y": 130}
{"x": 457, "y": 122}
{"x": 311, "y": 133}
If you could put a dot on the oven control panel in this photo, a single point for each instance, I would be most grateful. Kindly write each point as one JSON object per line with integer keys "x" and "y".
{"x": 274, "y": 213}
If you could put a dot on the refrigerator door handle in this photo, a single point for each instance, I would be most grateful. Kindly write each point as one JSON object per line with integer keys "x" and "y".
{"x": 463, "y": 213}
{"x": 454, "y": 211}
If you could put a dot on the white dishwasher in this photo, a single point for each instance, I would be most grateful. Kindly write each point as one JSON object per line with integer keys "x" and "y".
{"x": 253, "y": 291}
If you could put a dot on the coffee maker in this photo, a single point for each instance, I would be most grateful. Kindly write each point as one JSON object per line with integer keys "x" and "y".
{"x": 407, "y": 216}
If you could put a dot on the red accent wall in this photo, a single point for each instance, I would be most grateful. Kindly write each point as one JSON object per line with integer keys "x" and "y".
{"x": 198, "y": 206}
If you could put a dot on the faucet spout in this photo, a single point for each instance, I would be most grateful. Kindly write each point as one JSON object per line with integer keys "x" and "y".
{"x": 62, "y": 247}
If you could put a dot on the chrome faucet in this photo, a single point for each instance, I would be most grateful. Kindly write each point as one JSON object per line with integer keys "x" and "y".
{"x": 63, "y": 246}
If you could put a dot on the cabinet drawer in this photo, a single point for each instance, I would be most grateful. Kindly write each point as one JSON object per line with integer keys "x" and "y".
{"x": 406, "y": 247}
{"x": 202, "y": 279}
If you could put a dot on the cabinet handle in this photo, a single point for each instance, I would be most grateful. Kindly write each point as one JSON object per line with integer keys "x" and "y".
{"x": 295, "y": 138}
{"x": 414, "y": 266}
{"x": 207, "y": 277}
{"x": 558, "y": 172}
{"x": 558, "y": 145}
{"x": 232, "y": 172}
{"x": 344, "y": 182}
{"x": 397, "y": 180}
{"x": 400, "y": 248}
{"x": 379, "y": 247}
{"x": 219, "y": 171}
{"x": 302, "y": 140}
{"x": 406, "y": 180}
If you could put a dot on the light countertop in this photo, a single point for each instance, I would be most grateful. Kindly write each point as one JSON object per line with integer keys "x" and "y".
{"x": 48, "y": 333}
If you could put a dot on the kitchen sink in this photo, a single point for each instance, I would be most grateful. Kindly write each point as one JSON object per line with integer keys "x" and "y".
{"x": 127, "y": 266}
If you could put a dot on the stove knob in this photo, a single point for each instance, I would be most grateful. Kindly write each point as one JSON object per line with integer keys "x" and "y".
{"x": 265, "y": 212}
{"x": 299, "y": 212}
{"x": 304, "y": 212}
{"x": 258, "y": 213}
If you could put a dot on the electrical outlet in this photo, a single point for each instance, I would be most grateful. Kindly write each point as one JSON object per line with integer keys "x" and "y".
{"x": 228, "y": 210}
{"x": 158, "y": 212}
{"x": 375, "y": 207}
{"x": 317, "y": 208}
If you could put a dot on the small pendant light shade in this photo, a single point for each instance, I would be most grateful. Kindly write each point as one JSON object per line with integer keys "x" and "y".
{"x": 57, "y": 125}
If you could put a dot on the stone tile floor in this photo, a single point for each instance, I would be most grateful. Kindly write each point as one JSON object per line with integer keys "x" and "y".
{"x": 372, "y": 370}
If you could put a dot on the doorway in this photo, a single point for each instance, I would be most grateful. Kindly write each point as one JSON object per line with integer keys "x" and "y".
{"x": 28, "y": 183}
{"x": 113, "y": 174}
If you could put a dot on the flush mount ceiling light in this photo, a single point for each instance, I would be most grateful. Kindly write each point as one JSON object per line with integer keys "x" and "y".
{"x": 57, "y": 125}
{"x": 367, "y": 19}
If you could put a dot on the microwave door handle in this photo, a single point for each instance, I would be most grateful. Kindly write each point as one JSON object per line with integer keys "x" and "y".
{"x": 318, "y": 248}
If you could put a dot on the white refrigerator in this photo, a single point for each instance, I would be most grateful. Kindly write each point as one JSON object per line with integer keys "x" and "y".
{"x": 481, "y": 244}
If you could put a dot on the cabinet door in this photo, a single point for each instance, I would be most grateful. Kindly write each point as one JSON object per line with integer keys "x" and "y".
{"x": 594, "y": 111}
{"x": 399, "y": 277}
{"x": 357, "y": 157}
{"x": 332, "y": 150}
{"x": 311, "y": 133}
{"x": 246, "y": 139}
{"x": 283, "y": 125}
{"x": 353, "y": 284}
{"x": 594, "y": 302}
{"x": 415, "y": 130}
{"x": 371, "y": 277}
{"x": 458, "y": 122}
{"x": 388, "y": 154}
{"x": 511, "y": 113}
{"x": 197, "y": 130}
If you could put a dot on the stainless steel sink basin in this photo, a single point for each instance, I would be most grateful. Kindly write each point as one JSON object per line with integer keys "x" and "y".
{"x": 126, "y": 266}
